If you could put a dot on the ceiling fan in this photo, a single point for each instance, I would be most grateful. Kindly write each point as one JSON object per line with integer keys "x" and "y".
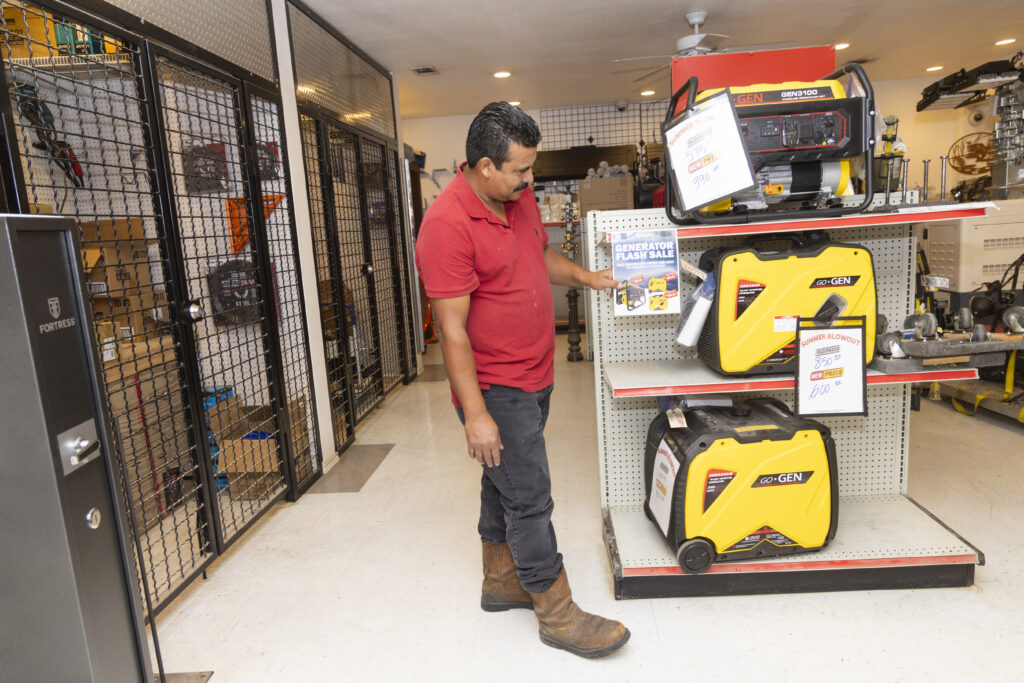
{"x": 699, "y": 43}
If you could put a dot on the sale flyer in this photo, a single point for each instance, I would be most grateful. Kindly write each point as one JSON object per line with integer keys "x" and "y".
{"x": 646, "y": 265}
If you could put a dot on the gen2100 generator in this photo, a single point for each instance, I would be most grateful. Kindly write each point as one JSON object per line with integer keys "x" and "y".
{"x": 760, "y": 294}
{"x": 741, "y": 482}
{"x": 802, "y": 139}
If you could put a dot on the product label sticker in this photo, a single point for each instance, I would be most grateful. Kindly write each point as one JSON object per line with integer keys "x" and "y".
{"x": 663, "y": 481}
{"x": 715, "y": 483}
{"x": 646, "y": 265}
{"x": 837, "y": 281}
{"x": 762, "y": 535}
{"x": 782, "y": 479}
{"x": 745, "y": 295}
{"x": 786, "y": 323}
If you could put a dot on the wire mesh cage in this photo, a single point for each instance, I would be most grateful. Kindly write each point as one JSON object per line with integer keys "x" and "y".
{"x": 335, "y": 318}
{"x": 78, "y": 115}
{"x": 146, "y": 151}
{"x": 288, "y": 305}
{"x": 211, "y": 191}
{"x": 381, "y": 226}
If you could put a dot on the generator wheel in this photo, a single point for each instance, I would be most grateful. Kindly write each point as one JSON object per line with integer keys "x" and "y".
{"x": 695, "y": 556}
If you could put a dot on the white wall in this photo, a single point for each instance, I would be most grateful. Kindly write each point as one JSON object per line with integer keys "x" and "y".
{"x": 444, "y": 141}
{"x": 927, "y": 134}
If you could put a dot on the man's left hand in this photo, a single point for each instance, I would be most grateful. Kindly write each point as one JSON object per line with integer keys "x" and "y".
{"x": 601, "y": 279}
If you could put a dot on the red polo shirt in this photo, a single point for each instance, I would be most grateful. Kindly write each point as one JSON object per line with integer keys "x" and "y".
{"x": 463, "y": 248}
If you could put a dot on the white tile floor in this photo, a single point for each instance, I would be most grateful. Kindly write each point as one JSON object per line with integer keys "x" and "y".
{"x": 383, "y": 585}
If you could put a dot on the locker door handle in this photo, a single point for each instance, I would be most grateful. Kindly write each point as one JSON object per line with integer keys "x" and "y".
{"x": 195, "y": 311}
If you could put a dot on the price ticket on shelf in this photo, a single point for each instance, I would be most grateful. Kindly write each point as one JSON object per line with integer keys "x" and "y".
{"x": 708, "y": 158}
{"x": 831, "y": 378}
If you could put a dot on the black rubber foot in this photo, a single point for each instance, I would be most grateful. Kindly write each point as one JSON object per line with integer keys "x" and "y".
{"x": 589, "y": 654}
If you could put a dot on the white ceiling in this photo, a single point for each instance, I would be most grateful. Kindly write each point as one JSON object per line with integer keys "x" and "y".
{"x": 559, "y": 52}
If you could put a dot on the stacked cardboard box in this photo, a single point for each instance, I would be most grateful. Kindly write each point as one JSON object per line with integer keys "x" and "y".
{"x": 116, "y": 262}
{"x": 248, "y": 447}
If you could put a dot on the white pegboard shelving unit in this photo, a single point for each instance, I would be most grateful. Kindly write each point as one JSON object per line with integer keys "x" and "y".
{"x": 884, "y": 538}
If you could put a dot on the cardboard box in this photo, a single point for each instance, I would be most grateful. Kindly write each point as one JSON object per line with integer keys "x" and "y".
{"x": 107, "y": 338}
{"x": 251, "y": 485}
{"x": 246, "y": 437}
{"x": 114, "y": 230}
{"x": 605, "y": 194}
{"x": 30, "y": 32}
{"x": 108, "y": 273}
{"x": 138, "y": 356}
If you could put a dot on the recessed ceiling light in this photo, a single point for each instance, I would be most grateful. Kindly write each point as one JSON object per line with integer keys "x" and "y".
{"x": 647, "y": 93}
{"x": 501, "y": 74}
{"x": 1006, "y": 42}
{"x": 515, "y": 103}
{"x": 842, "y": 46}
{"x": 933, "y": 68}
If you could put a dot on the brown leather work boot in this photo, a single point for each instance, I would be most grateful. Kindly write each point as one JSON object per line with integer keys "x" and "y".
{"x": 502, "y": 590}
{"x": 564, "y": 625}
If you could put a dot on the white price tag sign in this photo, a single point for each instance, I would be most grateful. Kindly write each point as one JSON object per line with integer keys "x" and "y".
{"x": 709, "y": 160}
{"x": 831, "y": 374}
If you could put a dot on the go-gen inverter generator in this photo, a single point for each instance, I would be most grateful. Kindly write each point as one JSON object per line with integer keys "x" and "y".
{"x": 751, "y": 327}
{"x": 741, "y": 482}
{"x": 801, "y": 137}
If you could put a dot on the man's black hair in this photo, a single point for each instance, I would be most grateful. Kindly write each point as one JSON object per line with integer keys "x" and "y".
{"x": 497, "y": 125}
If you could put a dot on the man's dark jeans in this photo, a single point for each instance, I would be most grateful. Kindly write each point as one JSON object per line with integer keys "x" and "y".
{"x": 515, "y": 496}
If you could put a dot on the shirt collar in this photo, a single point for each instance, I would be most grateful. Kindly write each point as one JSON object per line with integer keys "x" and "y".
{"x": 474, "y": 206}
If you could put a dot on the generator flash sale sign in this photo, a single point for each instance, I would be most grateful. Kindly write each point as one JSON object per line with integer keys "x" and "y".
{"x": 646, "y": 265}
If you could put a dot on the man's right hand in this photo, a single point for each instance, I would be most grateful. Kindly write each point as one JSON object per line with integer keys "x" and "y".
{"x": 482, "y": 440}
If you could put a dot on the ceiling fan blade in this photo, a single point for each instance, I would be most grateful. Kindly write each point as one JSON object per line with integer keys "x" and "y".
{"x": 634, "y": 59}
{"x": 762, "y": 47}
{"x": 650, "y": 73}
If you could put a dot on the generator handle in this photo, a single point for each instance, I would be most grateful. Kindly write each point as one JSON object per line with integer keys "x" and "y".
{"x": 690, "y": 88}
{"x": 858, "y": 71}
{"x": 801, "y": 240}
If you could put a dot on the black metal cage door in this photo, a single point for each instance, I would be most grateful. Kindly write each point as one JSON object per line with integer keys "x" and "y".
{"x": 225, "y": 290}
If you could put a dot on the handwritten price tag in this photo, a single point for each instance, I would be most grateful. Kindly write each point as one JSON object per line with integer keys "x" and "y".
{"x": 709, "y": 160}
{"x": 830, "y": 377}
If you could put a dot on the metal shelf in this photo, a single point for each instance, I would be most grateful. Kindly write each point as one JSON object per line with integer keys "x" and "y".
{"x": 691, "y": 376}
{"x": 882, "y": 542}
{"x": 920, "y": 213}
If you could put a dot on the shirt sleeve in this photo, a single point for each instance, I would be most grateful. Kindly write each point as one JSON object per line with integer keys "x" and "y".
{"x": 445, "y": 259}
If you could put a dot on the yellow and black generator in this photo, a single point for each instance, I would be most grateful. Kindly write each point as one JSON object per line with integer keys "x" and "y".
{"x": 802, "y": 138}
{"x": 760, "y": 295}
{"x": 741, "y": 482}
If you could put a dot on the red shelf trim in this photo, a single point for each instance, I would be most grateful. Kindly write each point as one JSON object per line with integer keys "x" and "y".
{"x": 750, "y": 567}
{"x": 838, "y": 222}
{"x": 788, "y": 383}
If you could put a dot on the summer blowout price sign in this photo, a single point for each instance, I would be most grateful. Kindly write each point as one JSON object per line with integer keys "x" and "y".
{"x": 646, "y": 264}
{"x": 709, "y": 161}
{"x": 831, "y": 377}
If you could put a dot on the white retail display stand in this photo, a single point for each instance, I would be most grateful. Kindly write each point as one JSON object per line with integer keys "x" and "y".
{"x": 884, "y": 539}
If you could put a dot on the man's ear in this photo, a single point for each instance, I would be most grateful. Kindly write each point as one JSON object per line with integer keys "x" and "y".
{"x": 486, "y": 167}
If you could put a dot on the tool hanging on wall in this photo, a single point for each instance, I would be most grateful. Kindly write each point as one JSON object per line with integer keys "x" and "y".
{"x": 42, "y": 120}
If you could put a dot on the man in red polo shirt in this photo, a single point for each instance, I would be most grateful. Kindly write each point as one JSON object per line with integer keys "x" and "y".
{"x": 483, "y": 255}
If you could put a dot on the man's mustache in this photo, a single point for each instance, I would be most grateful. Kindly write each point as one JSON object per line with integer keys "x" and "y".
{"x": 521, "y": 187}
